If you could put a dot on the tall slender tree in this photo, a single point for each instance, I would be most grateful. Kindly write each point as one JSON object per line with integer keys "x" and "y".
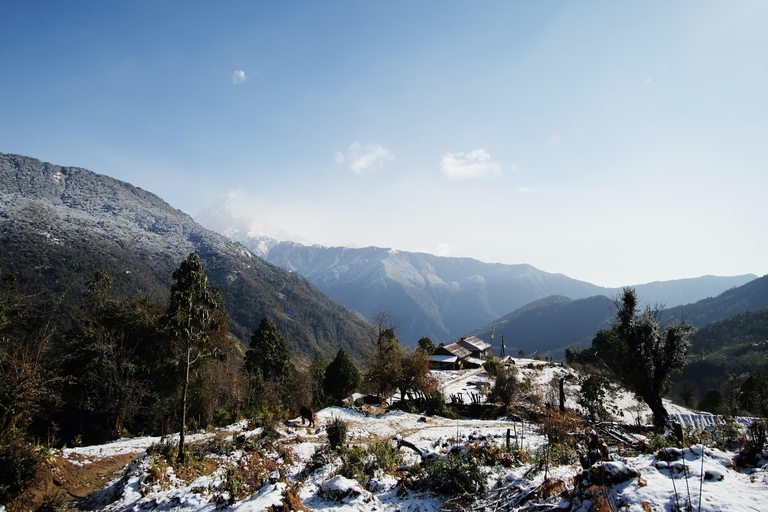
{"x": 191, "y": 316}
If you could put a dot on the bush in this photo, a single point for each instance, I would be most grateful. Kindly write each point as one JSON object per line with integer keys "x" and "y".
{"x": 382, "y": 456}
{"x": 559, "y": 427}
{"x": 455, "y": 473}
{"x": 560, "y": 454}
{"x": 489, "y": 454}
{"x": 337, "y": 433}
{"x": 493, "y": 367}
{"x": 52, "y": 503}
{"x": 593, "y": 396}
{"x": 724, "y": 436}
{"x": 436, "y": 406}
{"x": 505, "y": 387}
{"x": 19, "y": 463}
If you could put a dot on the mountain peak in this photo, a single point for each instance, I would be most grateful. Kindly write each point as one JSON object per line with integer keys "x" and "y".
{"x": 224, "y": 217}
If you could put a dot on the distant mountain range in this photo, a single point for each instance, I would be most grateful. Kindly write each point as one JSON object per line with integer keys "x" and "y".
{"x": 59, "y": 225}
{"x": 552, "y": 324}
{"x": 434, "y": 296}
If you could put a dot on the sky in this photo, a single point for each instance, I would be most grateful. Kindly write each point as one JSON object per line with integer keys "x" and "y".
{"x": 614, "y": 142}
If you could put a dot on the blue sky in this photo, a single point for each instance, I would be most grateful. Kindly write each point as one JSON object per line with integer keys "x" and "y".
{"x": 614, "y": 142}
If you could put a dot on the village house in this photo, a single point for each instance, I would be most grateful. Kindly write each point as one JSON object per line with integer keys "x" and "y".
{"x": 450, "y": 357}
{"x": 477, "y": 347}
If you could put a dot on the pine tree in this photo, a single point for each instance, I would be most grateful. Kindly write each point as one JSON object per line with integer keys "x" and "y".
{"x": 190, "y": 317}
{"x": 341, "y": 377}
{"x": 268, "y": 354}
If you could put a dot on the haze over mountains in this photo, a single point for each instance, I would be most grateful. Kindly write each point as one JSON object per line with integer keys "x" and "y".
{"x": 439, "y": 297}
{"x": 59, "y": 225}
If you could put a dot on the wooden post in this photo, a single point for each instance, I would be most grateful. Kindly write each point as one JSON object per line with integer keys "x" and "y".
{"x": 562, "y": 395}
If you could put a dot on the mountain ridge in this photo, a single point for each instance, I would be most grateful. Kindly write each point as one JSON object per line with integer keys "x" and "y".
{"x": 445, "y": 297}
{"x": 58, "y": 225}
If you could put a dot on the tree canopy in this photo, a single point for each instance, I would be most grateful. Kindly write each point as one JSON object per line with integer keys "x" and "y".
{"x": 191, "y": 316}
{"x": 341, "y": 376}
{"x": 643, "y": 354}
{"x": 268, "y": 354}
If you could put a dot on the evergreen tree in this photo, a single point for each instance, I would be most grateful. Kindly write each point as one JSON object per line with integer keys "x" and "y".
{"x": 317, "y": 370}
{"x": 108, "y": 351}
{"x": 426, "y": 345}
{"x": 268, "y": 354}
{"x": 341, "y": 377}
{"x": 191, "y": 316}
{"x": 644, "y": 355}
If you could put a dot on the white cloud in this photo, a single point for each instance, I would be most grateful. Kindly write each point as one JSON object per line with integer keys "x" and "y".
{"x": 445, "y": 249}
{"x": 238, "y": 77}
{"x": 365, "y": 156}
{"x": 525, "y": 190}
{"x": 475, "y": 164}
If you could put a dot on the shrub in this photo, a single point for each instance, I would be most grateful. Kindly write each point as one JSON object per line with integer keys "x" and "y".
{"x": 19, "y": 463}
{"x": 436, "y": 406}
{"x": 505, "y": 387}
{"x": 455, "y": 473}
{"x": 488, "y": 454}
{"x": 352, "y": 464}
{"x": 593, "y": 396}
{"x": 493, "y": 367}
{"x": 724, "y": 436}
{"x": 559, "y": 454}
{"x": 337, "y": 433}
{"x": 222, "y": 417}
{"x": 52, "y": 503}
{"x": 381, "y": 456}
{"x": 559, "y": 427}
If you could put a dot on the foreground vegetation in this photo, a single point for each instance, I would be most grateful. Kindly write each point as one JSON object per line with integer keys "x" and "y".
{"x": 126, "y": 366}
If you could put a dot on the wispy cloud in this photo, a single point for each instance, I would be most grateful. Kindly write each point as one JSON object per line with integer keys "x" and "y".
{"x": 445, "y": 249}
{"x": 365, "y": 156}
{"x": 476, "y": 164}
{"x": 238, "y": 77}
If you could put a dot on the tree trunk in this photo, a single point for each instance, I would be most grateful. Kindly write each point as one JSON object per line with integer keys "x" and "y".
{"x": 181, "y": 456}
{"x": 660, "y": 414}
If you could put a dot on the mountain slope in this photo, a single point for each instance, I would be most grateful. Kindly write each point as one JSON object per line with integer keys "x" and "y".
{"x": 433, "y": 296}
{"x": 554, "y": 323}
{"x": 58, "y": 225}
{"x": 550, "y": 325}
{"x": 752, "y": 296}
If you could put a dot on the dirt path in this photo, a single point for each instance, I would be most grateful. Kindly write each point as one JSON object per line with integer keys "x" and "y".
{"x": 71, "y": 482}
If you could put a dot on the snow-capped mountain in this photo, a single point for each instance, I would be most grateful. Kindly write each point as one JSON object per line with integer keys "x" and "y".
{"x": 225, "y": 218}
{"x": 439, "y": 297}
{"x": 59, "y": 225}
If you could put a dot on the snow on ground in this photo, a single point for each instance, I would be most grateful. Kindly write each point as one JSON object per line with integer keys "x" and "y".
{"x": 638, "y": 482}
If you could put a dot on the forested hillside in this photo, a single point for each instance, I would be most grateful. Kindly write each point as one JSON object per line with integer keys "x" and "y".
{"x": 59, "y": 225}
{"x": 752, "y": 296}
{"x": 550, "y": 325}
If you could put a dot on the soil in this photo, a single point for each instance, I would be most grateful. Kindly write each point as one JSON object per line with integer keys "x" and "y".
{"x": 68, "y": 483}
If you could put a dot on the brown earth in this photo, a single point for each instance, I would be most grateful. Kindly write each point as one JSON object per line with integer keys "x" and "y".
{"x": 61, "y": 481}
